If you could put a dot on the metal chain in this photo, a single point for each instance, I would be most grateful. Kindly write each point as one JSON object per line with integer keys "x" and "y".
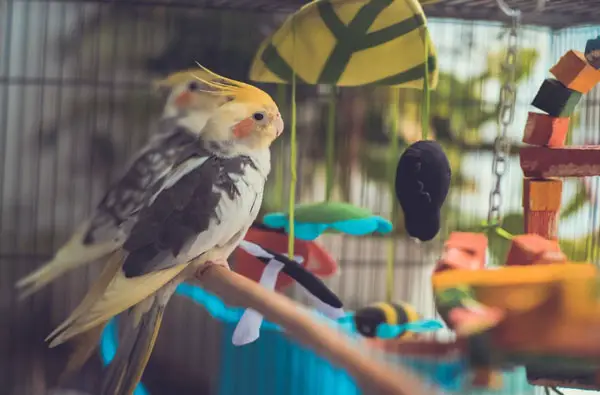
{"x": 506, "y": 114}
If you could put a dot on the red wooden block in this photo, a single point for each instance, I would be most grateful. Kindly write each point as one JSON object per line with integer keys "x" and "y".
{"x": 531, "y": 249}
{"x": 463, "y": 250}
{"x": 581, "y": 161}
{"x": 574, "y": 72}
{"x": 543, "y": 129}
{"x": 543, "y": 223}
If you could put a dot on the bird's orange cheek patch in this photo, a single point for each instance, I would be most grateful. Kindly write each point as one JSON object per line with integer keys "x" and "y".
{"x": 243, "y": 128}
{"x": 184, "y": 99}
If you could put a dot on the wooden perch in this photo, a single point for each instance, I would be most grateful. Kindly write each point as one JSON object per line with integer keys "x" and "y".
{"x": 571, "y": 161}
{"x": 373, "y": 376}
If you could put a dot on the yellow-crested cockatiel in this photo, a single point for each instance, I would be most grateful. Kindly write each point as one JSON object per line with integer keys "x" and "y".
{"x": 199, "y": 206}
{"x": 185, "y": 113}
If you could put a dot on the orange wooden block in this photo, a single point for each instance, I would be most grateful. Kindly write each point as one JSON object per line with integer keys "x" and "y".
{"x": 541, "y": 204}
{"x": 545, "y": 130}
{"x": 542, "y": 194}
{"x": 574, "y": 72}
{"x": 463, "y": 250}
{"x": 532, "y": 249}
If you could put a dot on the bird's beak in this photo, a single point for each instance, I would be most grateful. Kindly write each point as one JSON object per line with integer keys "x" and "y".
{"x": 278, "y": 125}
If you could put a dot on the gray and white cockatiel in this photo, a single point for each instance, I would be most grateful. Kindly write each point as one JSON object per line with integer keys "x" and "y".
{"x": 196, "y": 203}
{"x": 185, "y": 113}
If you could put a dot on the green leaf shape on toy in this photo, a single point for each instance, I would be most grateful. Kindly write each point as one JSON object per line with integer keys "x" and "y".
{"x": 312, "y": 220}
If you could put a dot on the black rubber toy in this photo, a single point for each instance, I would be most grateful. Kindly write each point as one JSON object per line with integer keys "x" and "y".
{"x": 422, "y": 182}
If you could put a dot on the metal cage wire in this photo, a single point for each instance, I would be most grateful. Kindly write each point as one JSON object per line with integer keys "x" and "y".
{"x": 75, "y": 102}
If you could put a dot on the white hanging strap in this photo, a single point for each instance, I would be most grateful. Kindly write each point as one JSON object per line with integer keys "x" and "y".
{"x": 248, "y": 328}
{"x": 322, "y": 307}
{"x": 254, "y": 249}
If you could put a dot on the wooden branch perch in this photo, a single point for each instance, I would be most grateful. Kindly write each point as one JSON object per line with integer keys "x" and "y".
{"x": 373, "y": 376}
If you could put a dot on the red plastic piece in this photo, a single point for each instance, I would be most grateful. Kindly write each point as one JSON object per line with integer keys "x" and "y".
{"x": 316, "y": 259}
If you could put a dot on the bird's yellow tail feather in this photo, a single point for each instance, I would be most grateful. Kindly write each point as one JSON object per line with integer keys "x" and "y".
{"x": 109, "y": 272}
{"x": 71, "y": 256}
{"x": 83, "y": 347}
{"x": 126, "y": 369}
{"x": 121, "y": 294}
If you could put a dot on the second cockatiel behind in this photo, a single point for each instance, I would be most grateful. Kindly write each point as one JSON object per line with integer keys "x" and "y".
{"x": 200, "y": 210}
{"x": 187, "y": 94}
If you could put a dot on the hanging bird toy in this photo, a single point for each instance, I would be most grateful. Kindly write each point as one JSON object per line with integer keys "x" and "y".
{"x": 422, "y": 182}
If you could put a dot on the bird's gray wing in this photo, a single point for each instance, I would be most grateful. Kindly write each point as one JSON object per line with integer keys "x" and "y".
{"x": 129, "y": 193}
{"x": 203, "y": 203}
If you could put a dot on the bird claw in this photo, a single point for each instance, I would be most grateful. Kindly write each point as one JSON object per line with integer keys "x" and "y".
{"x": 209, "y": 264}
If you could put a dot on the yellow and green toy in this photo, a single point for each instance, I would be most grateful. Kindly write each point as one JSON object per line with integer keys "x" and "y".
{"x": 345, "y": 43}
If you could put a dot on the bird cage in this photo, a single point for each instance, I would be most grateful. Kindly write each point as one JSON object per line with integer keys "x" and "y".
{"x": 77, "y": 99}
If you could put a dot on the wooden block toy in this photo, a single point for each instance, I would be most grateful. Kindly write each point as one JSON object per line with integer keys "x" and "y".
{"x": 543, "y": 223}
{"x": 542, "y": 194}
{"x": 532, "y": 249}
{"x": 592, "y": 52}
{"x": 546, "y": 130}
{"x": 574, "y": 72}
{"x": 541, "y": 205}
{"x": 556, "y": 99}
{"x": 572, "y": 161}
{"x": 463, "y": 250}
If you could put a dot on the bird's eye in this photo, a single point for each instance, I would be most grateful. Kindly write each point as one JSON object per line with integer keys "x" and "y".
{"x": 193, "y": 86}
{"x": 258, "y": 116}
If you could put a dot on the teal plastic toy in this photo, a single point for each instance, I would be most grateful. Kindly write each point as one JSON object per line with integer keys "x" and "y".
{"x": 312, "y": 220}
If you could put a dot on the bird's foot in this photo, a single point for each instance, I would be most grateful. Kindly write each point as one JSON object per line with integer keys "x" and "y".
{"x": 209, "y": 264}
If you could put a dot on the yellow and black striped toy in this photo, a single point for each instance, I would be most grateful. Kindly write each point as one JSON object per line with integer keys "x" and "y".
{"x": 369, "y": 319}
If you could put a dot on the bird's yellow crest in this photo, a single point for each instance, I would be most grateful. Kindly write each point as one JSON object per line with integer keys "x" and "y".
{"x": 181, "y": 77}
{"x": 239, "y": 91}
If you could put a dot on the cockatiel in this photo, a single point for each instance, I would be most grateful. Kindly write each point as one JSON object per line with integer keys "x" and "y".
{"x": 224, "y": 171}
{"x": 187, "y": 93}
{"x": 185, "y": 114}
{"x": 200, "y": 208}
